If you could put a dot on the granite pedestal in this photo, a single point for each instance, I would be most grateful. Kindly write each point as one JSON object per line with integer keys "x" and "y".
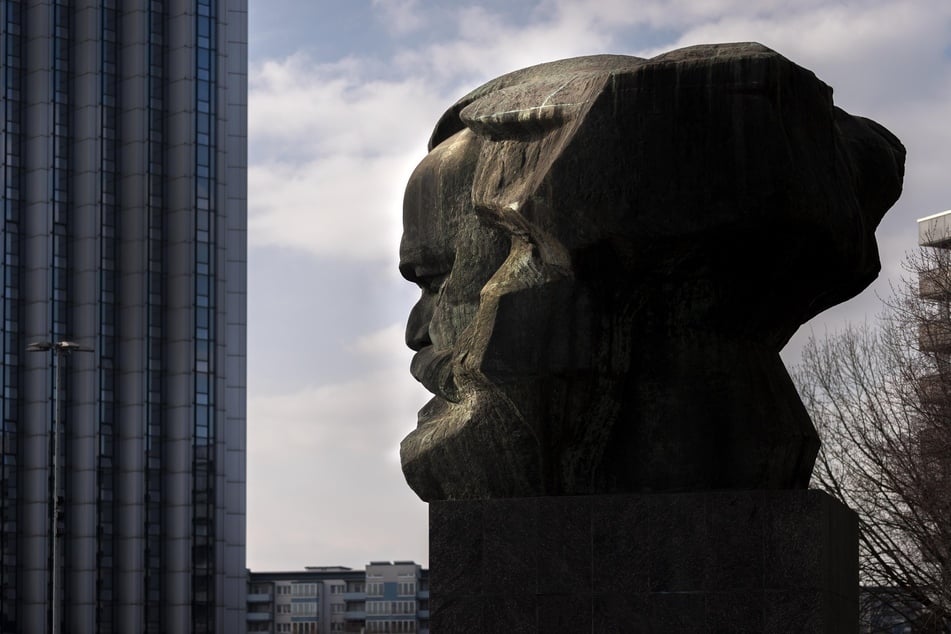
{"x": 737, "y": 561}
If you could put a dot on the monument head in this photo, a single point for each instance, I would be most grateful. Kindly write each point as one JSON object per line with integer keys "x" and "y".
{"x": 611, "y": 253}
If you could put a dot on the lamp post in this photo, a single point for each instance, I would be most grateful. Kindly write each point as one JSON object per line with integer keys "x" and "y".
{"x": 60, "y": 349}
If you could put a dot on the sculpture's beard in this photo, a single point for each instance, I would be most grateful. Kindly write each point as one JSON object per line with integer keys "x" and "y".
{"x": 434, "y": 409}
{"x": 438, "y": 456}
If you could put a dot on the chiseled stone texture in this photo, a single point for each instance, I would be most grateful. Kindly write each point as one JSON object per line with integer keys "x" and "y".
{"x": 611, "y": 253}
{"x": 736, "y": 561}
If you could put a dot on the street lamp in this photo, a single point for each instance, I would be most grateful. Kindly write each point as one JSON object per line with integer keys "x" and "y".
{"x": 60, "y": 349}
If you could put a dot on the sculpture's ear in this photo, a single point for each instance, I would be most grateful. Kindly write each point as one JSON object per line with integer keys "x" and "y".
{"x": 530, "y": 110}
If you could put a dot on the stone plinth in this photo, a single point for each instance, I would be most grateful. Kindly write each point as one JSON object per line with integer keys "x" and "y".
{"x": 741, "y": 561}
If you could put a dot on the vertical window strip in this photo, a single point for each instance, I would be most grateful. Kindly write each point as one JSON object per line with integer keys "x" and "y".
{"x": 60, "y": 169}
{"x": 11, "y": 73}
{"x": 106, "y": 344}
{"x": 155, "y": 323}
{"x": 59, "y": 271}
{"x": 203, "y": 467}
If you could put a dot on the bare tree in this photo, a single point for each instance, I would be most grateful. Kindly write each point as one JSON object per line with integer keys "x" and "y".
{"x": 880, "y": 396}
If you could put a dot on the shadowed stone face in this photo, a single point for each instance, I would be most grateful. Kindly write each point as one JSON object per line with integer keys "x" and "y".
{"x": 611, "y": 253}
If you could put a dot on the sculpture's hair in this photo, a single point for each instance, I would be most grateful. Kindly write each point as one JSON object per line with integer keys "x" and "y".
{"x": 528, "y": 112}
{"x": 595, "y": 163}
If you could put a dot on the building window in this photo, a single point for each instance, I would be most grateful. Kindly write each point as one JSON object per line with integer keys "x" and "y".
{"x": 155, "y": 297}
{"x": 11, "y": 82}
{"x": 307, "y": 608}
{"x": 105, "y": 340}
{"x": 205, "y": 205}
{"x": 389, "y": 627}
{"x": 58, "y": 220}
{"x": 304, "y": 589}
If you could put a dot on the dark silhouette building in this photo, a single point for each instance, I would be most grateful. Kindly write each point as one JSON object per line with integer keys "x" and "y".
{"x": 123, "y": 231}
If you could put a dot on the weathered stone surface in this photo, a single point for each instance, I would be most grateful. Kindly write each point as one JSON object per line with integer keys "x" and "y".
{"x": 736, "y": 561}
{"x": 612, "y": 251}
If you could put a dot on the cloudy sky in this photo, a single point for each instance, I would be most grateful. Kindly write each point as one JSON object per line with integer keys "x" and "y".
{"x": 343, "y": 96}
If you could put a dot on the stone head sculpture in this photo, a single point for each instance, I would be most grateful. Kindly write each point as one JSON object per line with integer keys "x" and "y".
{"x": 612, "y": 251}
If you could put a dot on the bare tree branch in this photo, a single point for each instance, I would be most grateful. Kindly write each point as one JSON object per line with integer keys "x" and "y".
{"x": 880, "y": 396}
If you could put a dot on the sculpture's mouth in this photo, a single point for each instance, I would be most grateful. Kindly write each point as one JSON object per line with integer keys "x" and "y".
{"x": 434, "y": 370}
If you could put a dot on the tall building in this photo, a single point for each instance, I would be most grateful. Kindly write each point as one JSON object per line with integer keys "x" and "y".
{"x": 934, "y": 340}
{"x": 385, "y": 597}
{"x": 932, "y": 479}
{"x": 309, "y": 601}
{"x": 124, "y": 231}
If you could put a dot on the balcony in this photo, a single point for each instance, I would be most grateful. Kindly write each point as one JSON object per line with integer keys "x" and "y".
{"x": 259, "y": 598}
{"x": 935, "y": 284}
{"x": 354, "y": 596}
{"x": 935, "y": 389}
{"x": 935, "y": 231}
{"x": 258, "y": 617}
{"x": 935, "y": 336}
{"x": 355, "y": 615}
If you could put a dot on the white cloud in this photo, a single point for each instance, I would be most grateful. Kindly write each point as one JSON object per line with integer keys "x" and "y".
{"x": 340, "y": 415}
{"x": 682, "y": 16}
{"x": 332, "y": 148}
{"x": 330, "y": 155}
{"x": 860, "y": 44}
{"x": 300, "y": 105}
{"x": 333, "y": 144}
{"x": 401, "y": 16}
{"x": 346, "y": 206}
{"x": 386, "y": 344}
{"x": 922, "y": 126}
{"x": 324, "y": 481}
{"x": 481, "y": 45}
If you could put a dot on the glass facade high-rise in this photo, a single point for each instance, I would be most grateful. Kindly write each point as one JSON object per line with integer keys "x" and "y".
{"x": 123, "y": 149}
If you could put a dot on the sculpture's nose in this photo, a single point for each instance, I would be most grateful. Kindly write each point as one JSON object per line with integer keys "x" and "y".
{"x": 417, "y": 327}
